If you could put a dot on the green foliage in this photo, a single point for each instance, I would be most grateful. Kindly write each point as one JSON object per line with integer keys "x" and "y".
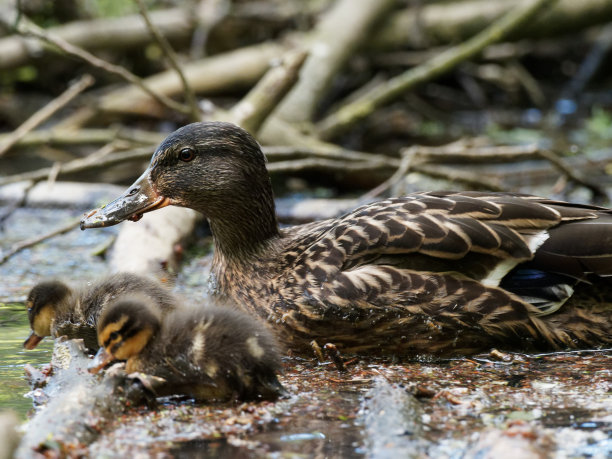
{"x": 24, "y": 74}
{"x": 431, "y": 129}
{"x": 112, "y": 8}
{"x": 516, "y": 136}
{"x": 599, "y": 125}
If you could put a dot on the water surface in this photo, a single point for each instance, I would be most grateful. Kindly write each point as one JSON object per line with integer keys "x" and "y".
{"x": 14, "y": 329}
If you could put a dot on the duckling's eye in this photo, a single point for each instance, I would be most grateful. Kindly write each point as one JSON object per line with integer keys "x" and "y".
{"x": 186, "y": 154}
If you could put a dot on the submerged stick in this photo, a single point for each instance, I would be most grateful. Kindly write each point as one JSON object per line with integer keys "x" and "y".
{"x": 22, "y": 245}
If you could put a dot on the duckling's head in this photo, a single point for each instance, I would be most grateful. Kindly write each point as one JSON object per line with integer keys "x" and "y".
{"x": 43, "y": 303}
{"x": 210, "y": 167}
{"x": 124, "y": 330}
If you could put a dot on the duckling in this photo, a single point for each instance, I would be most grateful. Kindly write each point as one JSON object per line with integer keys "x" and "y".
{"x": 209, "y": 353}
{"x": 443, "y": 273}
{"x": 56, "y": 309}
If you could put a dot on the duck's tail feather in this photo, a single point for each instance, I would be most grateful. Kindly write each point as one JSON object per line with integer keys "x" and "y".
{"x": 578, "y": 248}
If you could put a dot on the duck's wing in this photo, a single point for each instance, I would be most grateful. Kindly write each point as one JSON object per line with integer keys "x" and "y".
{"x": 378, "y": 308}
{"x": 483, "y": 236}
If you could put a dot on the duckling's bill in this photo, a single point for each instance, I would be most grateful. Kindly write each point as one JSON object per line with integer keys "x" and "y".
{"x": 32, "y": 341}
{"x": 100, "y": 360}
{"x": 138, "y": 199}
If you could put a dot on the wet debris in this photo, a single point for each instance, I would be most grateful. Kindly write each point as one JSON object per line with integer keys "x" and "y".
{"x": 519, "y": 440}
{"x": 501, "y": 356}
{"x": 392, "y": 421}
{"x": 464, "y": 407}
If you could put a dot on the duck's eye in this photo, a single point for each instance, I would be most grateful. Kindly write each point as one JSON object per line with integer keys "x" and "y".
{"x": 186, "y": 154}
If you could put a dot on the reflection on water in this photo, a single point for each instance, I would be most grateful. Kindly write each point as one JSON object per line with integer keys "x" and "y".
{"x": 14, "y": 328}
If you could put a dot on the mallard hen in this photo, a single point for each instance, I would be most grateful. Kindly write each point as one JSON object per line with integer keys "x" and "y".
{"x": 209, "y": 353}
{"x": 56, "y": 309}
{"x": 436, "y": 272}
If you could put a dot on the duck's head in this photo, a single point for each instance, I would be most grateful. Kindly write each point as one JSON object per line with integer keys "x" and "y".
{"x": 209, "y": 167}
{"x": 43, "y": 303}
{"x": 124, "y": 330}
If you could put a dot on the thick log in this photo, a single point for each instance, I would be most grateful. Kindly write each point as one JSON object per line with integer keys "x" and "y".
{"x": 441, "y": 23}
{"x": 116, "y": 33}
{"x": 154, "y": 244}
{"x": 331, "y": 45}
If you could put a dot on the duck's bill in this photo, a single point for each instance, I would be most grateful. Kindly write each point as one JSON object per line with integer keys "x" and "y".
{"x": 138, "y": 199}
{"x": 100, "y": 360}
{"x": 32, "y": 341}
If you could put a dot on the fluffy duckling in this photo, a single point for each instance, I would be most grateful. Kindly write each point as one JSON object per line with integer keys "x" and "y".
{"x": 56, "y": 309}
{"x": 209, "y": 353}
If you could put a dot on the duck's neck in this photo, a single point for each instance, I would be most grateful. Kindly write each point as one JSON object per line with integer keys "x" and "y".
{"x": 244, "y": 229}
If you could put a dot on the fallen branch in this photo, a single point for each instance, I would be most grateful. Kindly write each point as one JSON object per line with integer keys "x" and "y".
{"x": 206, "y": 16}
{"x": 276, "y": 153}
{"x": 66, "y": 137}
{"x": 253, "y": 109}
{"x": 349, "y": 114}
{"x": 325, "y": 164}
{"x": 22, "y": 245}
{"x": 574, "y": 176}
{"x": 173, "y": 59}
{"x": 46, "y": 112}
{"x": 332, "y": 44}
{"x": 111, "y": 33}
{"x": 472, "y": 180}
{"x": 441, "y": 23}
{"x": 406, "y": 163}
{"x": 81, "y": 164}
{"x": 457, "y": 152}
{"x": 475, "y": 154}
{"x": 32, "y": 30}
{"x": 237, "y": 70}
